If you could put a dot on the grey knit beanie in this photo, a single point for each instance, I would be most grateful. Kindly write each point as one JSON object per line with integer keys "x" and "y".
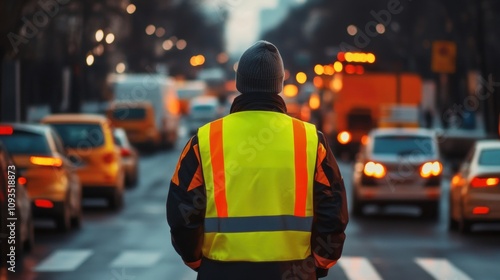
{"x": 260, "y": 69}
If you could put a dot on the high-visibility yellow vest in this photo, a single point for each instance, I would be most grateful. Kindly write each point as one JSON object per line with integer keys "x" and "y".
{"x": 258, "y": 168}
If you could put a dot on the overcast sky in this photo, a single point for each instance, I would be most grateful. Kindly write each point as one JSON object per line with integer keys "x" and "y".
{"x": 243, "y": 25}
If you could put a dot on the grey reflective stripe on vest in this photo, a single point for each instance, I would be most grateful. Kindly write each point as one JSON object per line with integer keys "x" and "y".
{"x": 261, "y": 223}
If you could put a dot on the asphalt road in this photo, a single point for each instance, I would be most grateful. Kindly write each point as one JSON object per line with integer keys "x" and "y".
{"x": 134, "y": 244}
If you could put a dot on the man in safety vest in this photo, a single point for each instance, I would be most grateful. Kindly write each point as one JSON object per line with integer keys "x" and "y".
{"x": 258, "y": 194}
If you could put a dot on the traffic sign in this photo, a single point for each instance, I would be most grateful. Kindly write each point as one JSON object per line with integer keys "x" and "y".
{"x": 444, "y": 54}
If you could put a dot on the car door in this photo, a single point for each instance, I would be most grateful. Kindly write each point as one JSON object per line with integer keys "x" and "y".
{"x": 70, "y": 172}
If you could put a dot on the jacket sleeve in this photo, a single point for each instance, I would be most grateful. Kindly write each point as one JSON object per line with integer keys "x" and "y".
{"x": 330, "y": 208}
{"x": 186, "y": 204}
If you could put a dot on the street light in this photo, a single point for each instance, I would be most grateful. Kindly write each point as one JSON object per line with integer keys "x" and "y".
{"x": 99, "y": 35}
{"x": 352, "y": 30}
{"x": 168, "y": 45}
{"x": 319, "y": 69}
{"x": 90, "y": 60}
{"x": 181, "y": 44}
{"x": 160, "y": 31}
{"x": 290, "y": 90}
{"x": 131, "y": 9}
{"x": 301, "y": 77}
{"x": 337, "y": 66}
{"x": 150, "y": 29}
{"x": 120, "y": 68}
{"x": 110, "y": 38}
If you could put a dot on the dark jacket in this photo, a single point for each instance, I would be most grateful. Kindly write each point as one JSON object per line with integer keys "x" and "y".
{"x": 186, "y": 205}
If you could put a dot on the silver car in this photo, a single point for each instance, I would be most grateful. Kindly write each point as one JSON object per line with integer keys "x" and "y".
{"x": 202, "y": 110}
{"x": 398, "y": 166}
{"x": 475, "y": 189}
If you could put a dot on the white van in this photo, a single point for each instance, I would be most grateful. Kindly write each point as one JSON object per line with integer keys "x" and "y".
{"x": 134, "y": 91}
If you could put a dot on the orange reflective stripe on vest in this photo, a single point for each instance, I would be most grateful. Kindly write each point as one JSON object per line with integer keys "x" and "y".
{"x": 219, "y": 177}
{"x": 300, "y": 145}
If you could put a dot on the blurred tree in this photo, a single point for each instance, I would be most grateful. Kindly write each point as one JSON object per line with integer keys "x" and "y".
{"x": 10, "y": 21}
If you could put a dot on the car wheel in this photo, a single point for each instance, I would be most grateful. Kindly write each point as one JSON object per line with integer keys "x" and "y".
{"x": 430, "y": 210}
{"x": 357, "y": 206}
{"x": 76, "y": 220}
{"x": 19, "y": 250}
{"x": 63, "y": 220}
{"x": 452, "y": 223}
{"x": 132, "y": 179}
{"x": 116, "y": 199}
{"x": 29, "y": 243}
{"x": 465, "y": 226}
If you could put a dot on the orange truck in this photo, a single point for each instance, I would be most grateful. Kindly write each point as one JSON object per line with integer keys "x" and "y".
{"x": 365, "y": 102}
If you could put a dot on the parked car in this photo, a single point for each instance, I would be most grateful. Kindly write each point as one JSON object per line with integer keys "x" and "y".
{"x": 89, "y": 141}
{"x": 475, "y": 189}
{"x": 25, "y": 236}
{"x": 130, "y": 156}
{"x": 202, "y": 110}
{"x": 398, "y": 166}
{"x": 46, "y": 173}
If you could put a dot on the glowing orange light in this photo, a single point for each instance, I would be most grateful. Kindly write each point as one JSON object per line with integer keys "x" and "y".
{"x": 290, "y": 90}
{"x": 480, "y": 210}
{"x": 360, "y": 70}
{"x": 344, "y": 137}
{"x": 46, "y": 161}
{"x": 318, "y": 82}
{"x": 350, "y": 69}
{"x": 314, "y": 101}
{"x": 21, "y": 181}
{"x": 341, "y": 56}
{"x": 43, "y": 203}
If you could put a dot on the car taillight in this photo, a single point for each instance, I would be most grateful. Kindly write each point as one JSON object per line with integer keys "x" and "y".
{"x": 46, "y": 161}
{"x": 108, "y": 158}
{"x": 44, "y": 203}
{"x": 125, "y": 152}
{"x": 364, "y": 140}
{"x": 478, "y": 182}
{"x": 6, "y": 130}
{"x": 373, "y": 169}
{"x": 480, "y": 210}
{"x": 344, "y": 137}
{"x": 22, "y": 180}
{"x": 429, "y": 169}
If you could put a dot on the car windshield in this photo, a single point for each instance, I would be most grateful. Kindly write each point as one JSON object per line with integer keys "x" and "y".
{"x": 80, "y": 135}
{"x": 403, "y": 145}
{"x": 25, "y": 143}
{"x": 204, "y": 108}
{"x": 129, "y": 113}
{"x": 490, "y": 157}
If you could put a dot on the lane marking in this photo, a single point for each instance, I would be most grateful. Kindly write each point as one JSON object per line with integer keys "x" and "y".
{"x": 135, "y": 258}
{"x": 441, "y": 269}
{"x": 358, "y": 268}
{"x": 63, "y": 260}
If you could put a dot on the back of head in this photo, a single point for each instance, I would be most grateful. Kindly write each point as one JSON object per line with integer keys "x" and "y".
{"x": 260, "y": 70}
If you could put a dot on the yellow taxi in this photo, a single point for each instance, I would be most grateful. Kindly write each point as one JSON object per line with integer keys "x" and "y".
{"x": 46, "y": 173}
{"x": 138, "y": 121}
{"x": 90, "y": 143}
{"x": 14, "y": 200}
